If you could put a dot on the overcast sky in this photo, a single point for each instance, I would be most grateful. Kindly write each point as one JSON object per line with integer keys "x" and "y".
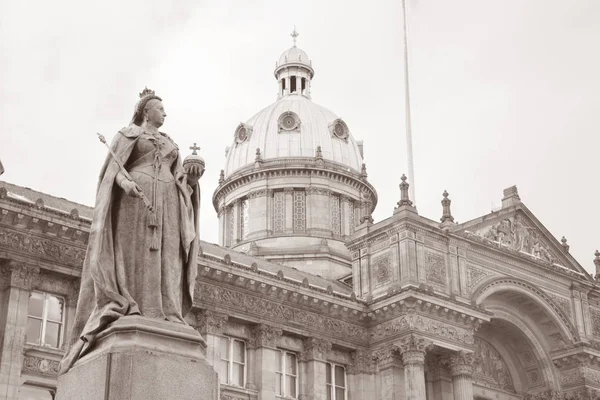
{"x": 503, "y": 93}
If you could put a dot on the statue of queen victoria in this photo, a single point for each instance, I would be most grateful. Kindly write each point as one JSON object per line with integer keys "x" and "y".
{"x": 141, "y": 255}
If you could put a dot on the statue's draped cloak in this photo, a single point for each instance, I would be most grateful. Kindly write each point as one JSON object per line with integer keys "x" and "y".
{"x": 102, "y": 296}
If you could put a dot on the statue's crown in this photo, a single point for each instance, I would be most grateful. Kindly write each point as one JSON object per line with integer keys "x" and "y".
{"x": 146, "y": 92}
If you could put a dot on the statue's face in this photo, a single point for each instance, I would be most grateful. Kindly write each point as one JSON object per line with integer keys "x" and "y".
{"x": 155, "y": 113}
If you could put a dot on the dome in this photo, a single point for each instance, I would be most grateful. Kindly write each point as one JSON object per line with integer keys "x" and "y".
{"x": 294, "y": 56}
{"x": 293, "y": 127}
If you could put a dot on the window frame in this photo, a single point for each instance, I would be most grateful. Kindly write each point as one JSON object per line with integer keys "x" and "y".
{"x": 44, "y": 319}
{"x": 230, "y": 341}
{"x": 332, "y": 386}
{"x": 282, "y": 374}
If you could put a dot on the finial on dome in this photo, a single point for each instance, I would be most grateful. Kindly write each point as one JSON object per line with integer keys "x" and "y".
{"x": 222, "y": 176}
{"x": 294, "y": 35}
{"x": 404, "y": 197}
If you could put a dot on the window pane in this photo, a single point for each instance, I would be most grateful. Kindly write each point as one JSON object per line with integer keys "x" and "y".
{"x": 328, "y": 373}
{"x": 54, "y": 308}
{"x": 329, "y": 393}
{"x": 340, "y": 378}
{"x": 279, "y": 361}
{"x": 223, "y": 371}
{"x": 238, "y": 351}
{"x": 36, "y": 305}
{"x": 278, "y": 378}
{"x": 224, "y": 348}
{"x": 52, "y": 334}
{"x": 290, "y": 386}
{"x": 34, "y": 330}
{"x": 34, "y": 393}
{"x": 339, "y": 393}
{"x": 290, "y": 364}
{"x": 237, "y": 377}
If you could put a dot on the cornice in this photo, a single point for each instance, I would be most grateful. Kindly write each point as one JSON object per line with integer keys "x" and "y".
{"x": 299, "y": 166}
{"x": 39, "y": 207}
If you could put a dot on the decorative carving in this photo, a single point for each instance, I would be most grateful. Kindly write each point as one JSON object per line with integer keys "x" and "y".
{"x": 257, "y": 306}
{"x": 381, "y": 269}
{"x": 404, "y": 199}
{"x": 41, "y": 366}
{"x": 225, "y": 396}
{"x": 435, "y": 268}
{"x": 424, "y": 325}
{"x": 44, "y": 248}
{"x": 489, "y": 366}
{"x": 315, "y": 349}
{"x": 20, "y": 275}
{"x": 571, "y": 376}
{"x": 413, "y": 349}
{"x": 595, "y": 316}
{"x": 362, "y": 362}
{"x": 475, "y": 275}
{"x": 257, "y": 193}
{"x": 388, "y": 356}
{"x": 564, "y": 304}
{"x": 242, "y": 132}
{"x": 339, "y": 129}
{"x": 460, "y": 363}
{"x": 264, "y": 336}
{"x": 318, "y": 191}
{"x": 513, "y": 233}
{"x": 288, "y": 122}
{"x": 211, "y": 322}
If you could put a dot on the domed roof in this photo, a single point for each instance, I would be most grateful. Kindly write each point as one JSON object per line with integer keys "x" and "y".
{"x": 293, "y": 126}
{"x": 294, "y": 55}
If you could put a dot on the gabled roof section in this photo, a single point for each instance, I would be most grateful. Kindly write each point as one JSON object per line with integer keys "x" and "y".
{"x": 515, "y": 229}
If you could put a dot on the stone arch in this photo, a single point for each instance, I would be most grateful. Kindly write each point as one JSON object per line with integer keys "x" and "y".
{"x": 489, "y": 287}
{"x": 547, "y": 369}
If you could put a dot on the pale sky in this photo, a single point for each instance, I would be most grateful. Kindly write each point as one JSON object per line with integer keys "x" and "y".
{"x": 503, "y": 93}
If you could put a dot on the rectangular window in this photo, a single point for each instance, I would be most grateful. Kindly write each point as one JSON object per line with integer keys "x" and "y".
{"x": 244, "y": 218}
{"x": 287, "y": 375}
{"x": 299, "y": 211}
{"x": 278, "y": 212}
{"x": 335, "y": 215}
{"x": 335, "y": 376}
{"x": 45, "y": 319}
{"x": 232, "y": 367}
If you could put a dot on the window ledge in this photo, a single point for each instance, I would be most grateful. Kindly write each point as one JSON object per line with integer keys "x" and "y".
{"x": 36, "y": 348}
{"x": 239, "y": 391}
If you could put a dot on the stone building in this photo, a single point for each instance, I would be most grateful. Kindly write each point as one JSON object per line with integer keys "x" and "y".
{"x": 305, "y": 297}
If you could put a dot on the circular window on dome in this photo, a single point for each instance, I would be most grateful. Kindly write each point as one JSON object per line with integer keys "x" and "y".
{"x": 339, "y": 129}
{"x": 242, "y": 132}
{"x": 288, "y": 122}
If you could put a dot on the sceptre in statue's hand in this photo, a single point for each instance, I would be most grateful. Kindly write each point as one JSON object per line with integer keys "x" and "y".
{"x": 136, "y": 190}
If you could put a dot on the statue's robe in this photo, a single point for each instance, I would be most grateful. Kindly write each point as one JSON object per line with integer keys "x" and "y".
{"x": 121, "y": 275}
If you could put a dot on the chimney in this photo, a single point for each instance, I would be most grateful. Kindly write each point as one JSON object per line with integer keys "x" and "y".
{"x": 511, "y": 197}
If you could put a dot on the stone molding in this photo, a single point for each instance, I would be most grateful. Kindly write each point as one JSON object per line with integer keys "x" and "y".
{"x": 40, "y": 366}
{"x": 318, "y": 191}
{"x": 43, "y": 248}
{"x": 20, "y": 275}
{"x": 413, "y": 349}
{"x": 257, "y": 193}
{"x": 264, "y": 336}
{"x": 315, "y": 349}
{"x": 211, "y": 322}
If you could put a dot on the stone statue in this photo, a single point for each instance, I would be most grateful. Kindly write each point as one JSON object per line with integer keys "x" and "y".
{"x": 140, "y": 259}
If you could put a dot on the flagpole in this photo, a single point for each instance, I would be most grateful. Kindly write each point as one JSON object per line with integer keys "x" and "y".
{"x": 409, "y": 147}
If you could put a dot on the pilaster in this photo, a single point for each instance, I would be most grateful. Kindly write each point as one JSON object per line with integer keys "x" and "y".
{"x": 263, "y": 344}
{"x": 210, "y": 325}
{"x": 391, "y": 373}
{"x": 314, "y": 358}
{"x": 20, "y": 279}
{"x": 361, "y": 376}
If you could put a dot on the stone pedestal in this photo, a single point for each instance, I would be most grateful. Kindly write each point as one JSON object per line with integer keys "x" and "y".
{"x": 138, "y": 358}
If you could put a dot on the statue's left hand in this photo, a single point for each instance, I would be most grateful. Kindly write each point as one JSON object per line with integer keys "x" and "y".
{"x": 194, "y": 172}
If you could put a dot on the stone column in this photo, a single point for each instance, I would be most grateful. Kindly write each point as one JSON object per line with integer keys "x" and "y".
{"x": 391, "y": 373}
{"x": 210, "y": 325}
{"x": 264, "y": 341}
{"x": 461, "y": 369}
{"x": 19, "y": 279}
{"x": 413, "y": 350}
{"x": 314, "y": 358}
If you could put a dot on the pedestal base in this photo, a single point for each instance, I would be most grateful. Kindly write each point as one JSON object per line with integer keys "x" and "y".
{"x": 138, "y": 358}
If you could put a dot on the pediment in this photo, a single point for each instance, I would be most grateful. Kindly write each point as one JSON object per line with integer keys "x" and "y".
{"x": 516, "y": 230}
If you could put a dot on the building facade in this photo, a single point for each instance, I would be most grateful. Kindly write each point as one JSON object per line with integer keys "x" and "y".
{"x": 305, "y": 297}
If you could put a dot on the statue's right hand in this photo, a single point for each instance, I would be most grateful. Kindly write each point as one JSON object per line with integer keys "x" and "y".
{"x": 131, "y": 188}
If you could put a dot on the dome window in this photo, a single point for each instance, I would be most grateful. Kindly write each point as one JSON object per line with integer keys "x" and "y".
{"x": 242, "y": 132}
{"x": 339, "y": 129}
{"x": 289, "y": 122}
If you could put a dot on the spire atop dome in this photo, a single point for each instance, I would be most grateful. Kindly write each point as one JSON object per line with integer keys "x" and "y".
{"x": 294, "y": 35}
